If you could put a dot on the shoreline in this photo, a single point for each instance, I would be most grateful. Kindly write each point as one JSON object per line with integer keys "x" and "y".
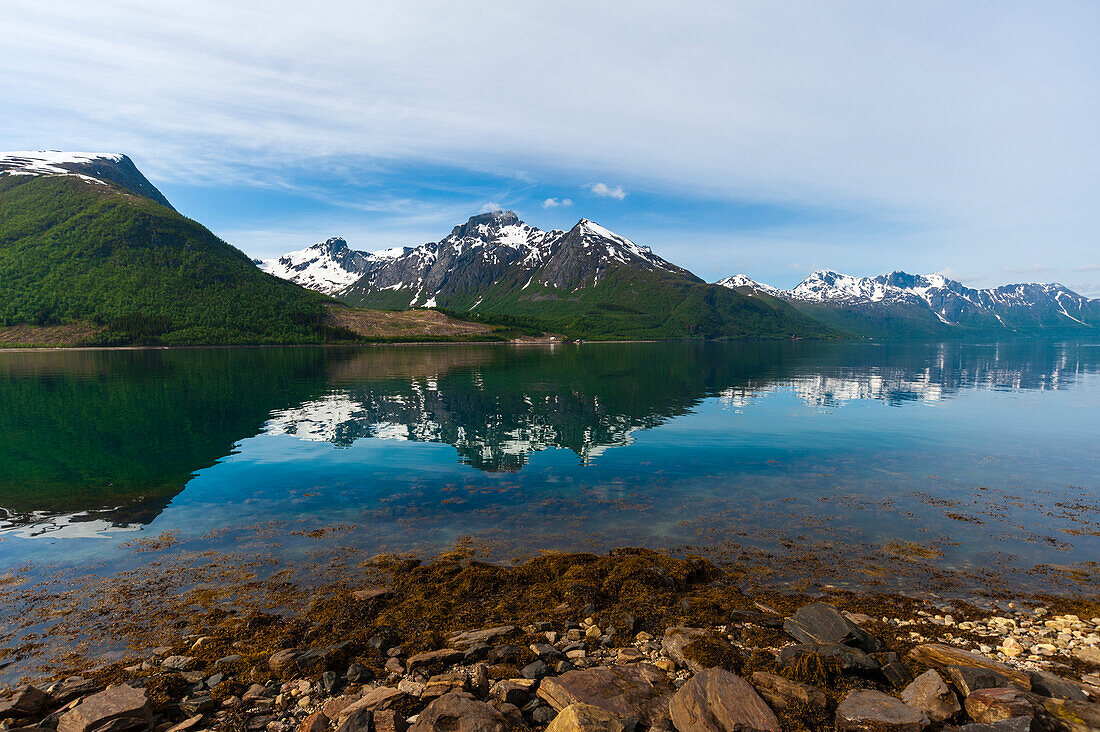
{"x": 389, "y": 633}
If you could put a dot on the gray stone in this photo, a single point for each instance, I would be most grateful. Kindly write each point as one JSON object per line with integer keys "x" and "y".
{"x": 178, "y": 663}
{"x": 480, "y": 636}
{"x": 864, "y": 710}
{"x": 850, "y": 659}
{"x": 114, "y": 703}
{"x": 535, "y": 670}
{"x": 718, "y": 701}
{"x": 460, "y": 712}
{"x": 822, "y": 623}
{"x": 933, "y": 696}
{"x": 1047, "y": 684}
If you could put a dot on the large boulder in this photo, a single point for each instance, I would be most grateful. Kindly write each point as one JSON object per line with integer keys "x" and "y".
{"x": 1072, "y": 716}
{"x": 993, "y": 705}
{"x": 122, "y": 706}
{"x": 781, "y": 692}
{"x": 820, "y": 622}
{"x": 639, "y": 690}
{"x": 937, "y": 654}
{"x": 585, "y": 718}
{"x": 933, "y": 696}
{"x": 26, "y": 702}
{"x": 460, "y": 712}
{"x": 718, "y": 701}
{"x": 1048, "y": 684}
{"x": 864, "y": 710}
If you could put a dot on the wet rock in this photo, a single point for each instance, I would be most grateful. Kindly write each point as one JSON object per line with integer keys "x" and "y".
{"x": 872, "y": 711}
{"x": 432, "y": 658}
{"x": 360, "y": 720}
{"x": 585, "y": 718}
{"x": 1071, "y": 715}
{"x": 822, "y": 623}
{"x": 459, "y": 712}
{"x": 781, "y": 692}
{"x": 933, "y": 696}
{"x": 283, "y": 660}
{"x": 27, "y": 702}
{"x": 387, "y": 720}
{"x": 488, "y": 635}
{"x": 535, "y": 670}
{"x": 178, "y": 663}
{"x": 718, "y": 701}
{"x": 846, "y": 657}
{"x": 677, "y": 638}
{"x": 937, "y": 654}
{"x": 993, "y": 705}
{"x": 1047, "y": 684}
{"x": 639, "y": 690}
{"x": 316, "y": 722}
{"x": 116, "y": 705}
{"x": 968, "y": 679}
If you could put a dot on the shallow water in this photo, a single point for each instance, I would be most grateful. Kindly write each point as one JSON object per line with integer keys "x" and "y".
{"x": 848, "y": 459}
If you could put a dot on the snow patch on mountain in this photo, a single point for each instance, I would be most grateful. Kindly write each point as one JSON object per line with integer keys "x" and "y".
{"x": 742, "y": 280}
{"x": 328, "y": 266}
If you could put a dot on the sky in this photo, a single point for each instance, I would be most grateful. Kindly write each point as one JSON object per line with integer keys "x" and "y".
{"x": 769, "y": 138}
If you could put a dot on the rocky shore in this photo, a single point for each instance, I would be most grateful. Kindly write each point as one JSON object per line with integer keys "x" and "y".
{"x": 627, "y": 642}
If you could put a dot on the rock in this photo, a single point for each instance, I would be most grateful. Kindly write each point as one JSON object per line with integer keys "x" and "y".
{"x": 197, "y": 704}
{"x": 372, "y": 593}
{"x": 509, "y": 692}
{"x": 677, "y": 638}
{"x": 460, "y": 712}
{"x": 433, "y": 658}
{"x": 873, "y": 711}
{"x": 849, "y": 659}
{"x": 187, "y": 724}
{"x": 933, "y": 696}
{"x": 1047, "y": 684}
{"x": 178, "y": 663}
{"x": 1017, "y": 724}
{"x": 1071, "y": 715}
{"x": 395, "y": 666}
{"x": 780, "y": 692}
{"x": 968, "y": 679}
{"x": 120, "y": 702}
{"x": 360, "y": 720}
{"x": 1088, "y": 654}
{"x": 639, "y": 690}
{"x": 937, "y": 654}
{"x": 63, "y": 692}
{"x": 546, "y": 651}
{"x": 585, "y": 718}
{"x": 507, "y": 654}
{"x": 444, "y": 684}
{"x": 822, "y": 623}
{"x": 316, "y": 722}
{"x": 284, "y": 659}
{"x": 29, "y": 701}
{"x": 382, "y": 697}
{"x": 480, "y": 636}
{"x": 387, "y": 720}
{"x": 325, "y": 656}
{"x": 334, "y": 706}
{"x": 993, "y": 705}
{"x": 535, "y": 670}
{"x": 718, "y": 701}
{"x": 766, "y": 620}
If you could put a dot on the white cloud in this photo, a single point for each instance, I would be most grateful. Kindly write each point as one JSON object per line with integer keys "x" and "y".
{"x": 602, "y": 189}
{"x": 555, "y": 202}
{"x": 491, "y": 207}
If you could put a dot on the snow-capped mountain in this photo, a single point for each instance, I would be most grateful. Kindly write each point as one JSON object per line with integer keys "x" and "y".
{"x": 328, "y": 266}
{"x": 113, "y": 168}
{"x": 950, "y": 303}
{"x": 497, "y": 249}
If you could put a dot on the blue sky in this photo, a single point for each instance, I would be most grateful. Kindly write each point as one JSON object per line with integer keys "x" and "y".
{"x": 758, "y": 137}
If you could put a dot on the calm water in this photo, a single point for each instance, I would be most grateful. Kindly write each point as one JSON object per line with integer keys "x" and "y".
{"x": 976, "y": 459}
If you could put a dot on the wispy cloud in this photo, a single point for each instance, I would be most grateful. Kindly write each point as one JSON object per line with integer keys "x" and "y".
{"x": 555, "y": 202}
{"x": 490, "y": 207}
{"x": 602, "y": 189}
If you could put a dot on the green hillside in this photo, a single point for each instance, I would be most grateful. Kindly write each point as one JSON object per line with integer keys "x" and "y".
{"x": 76, "y": 251}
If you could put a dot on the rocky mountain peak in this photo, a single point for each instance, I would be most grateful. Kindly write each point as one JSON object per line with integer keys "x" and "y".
{"x": 478, "y": 227}
{"x": 113, "y": 168}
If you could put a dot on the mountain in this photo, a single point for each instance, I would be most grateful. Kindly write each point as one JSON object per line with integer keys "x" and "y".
{"x": 108, "y": 257}
{"x": 587, "y": 282}
{"x": 111, "y": 168}
{"x": 328, "y": 266}
{"x": 902, "y": 304}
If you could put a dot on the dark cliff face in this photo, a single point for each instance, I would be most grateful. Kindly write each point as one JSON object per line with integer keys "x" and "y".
{"x": 122, "y": 173}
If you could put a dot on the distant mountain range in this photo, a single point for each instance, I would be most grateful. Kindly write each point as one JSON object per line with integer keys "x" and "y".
{"x": 586, "y": 282}
{"x": 902, "y": 304}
